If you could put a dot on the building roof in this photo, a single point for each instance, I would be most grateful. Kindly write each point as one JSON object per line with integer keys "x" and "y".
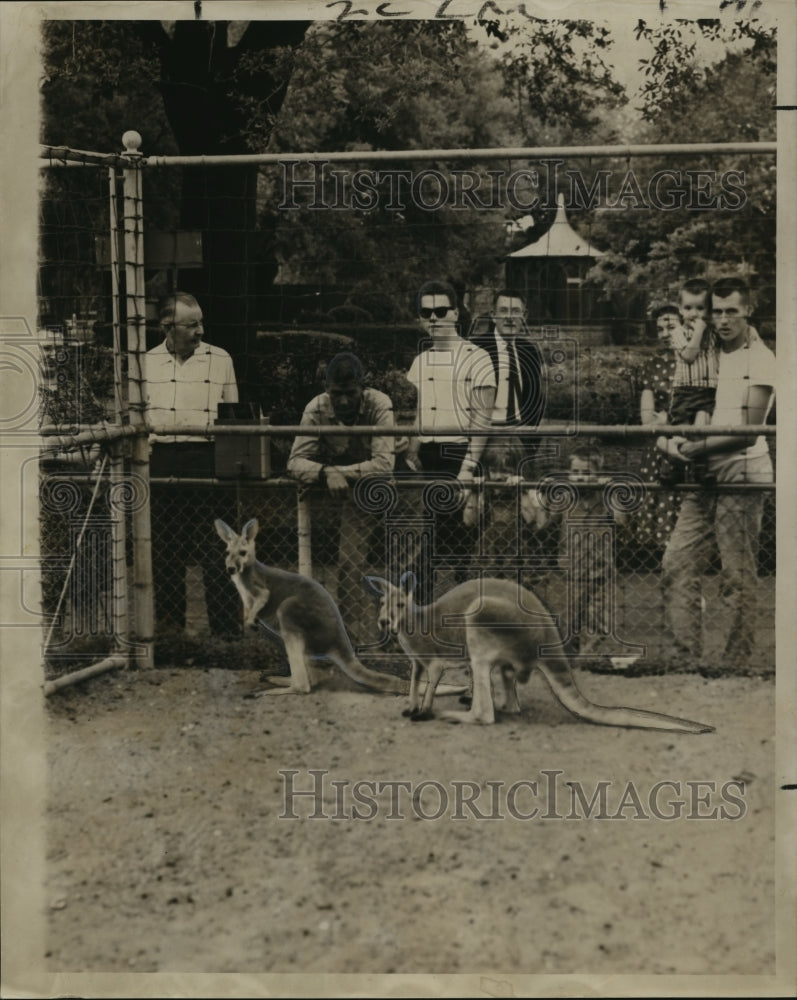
{"x": 561, "y": 240}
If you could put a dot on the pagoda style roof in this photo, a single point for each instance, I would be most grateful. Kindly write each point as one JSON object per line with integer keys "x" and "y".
{"x": 561, "y": 240}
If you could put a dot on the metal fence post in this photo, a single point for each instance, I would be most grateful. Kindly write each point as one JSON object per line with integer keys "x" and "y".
{"x": 303, "y": 527}
{"x": 135, "y": 315}
{"x": 121, "y": 604}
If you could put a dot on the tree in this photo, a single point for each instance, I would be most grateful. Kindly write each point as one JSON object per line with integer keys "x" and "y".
{"x": 372, "y": 86}
{"x": 654, "y": 251}
{"x": 233, "y": 87}
{"x": 365, "y": 85}
{"x": 222, "y": 85}
{"x": 557, "y": 75}
{"x": 674, "y": 73}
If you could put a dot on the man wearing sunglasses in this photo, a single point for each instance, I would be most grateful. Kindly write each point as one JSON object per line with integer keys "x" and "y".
{"x": 455, "y": 380}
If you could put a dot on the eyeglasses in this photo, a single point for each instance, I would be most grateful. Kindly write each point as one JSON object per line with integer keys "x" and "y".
{"x": 193, "y": 325}
{"x": 438, "y": 311}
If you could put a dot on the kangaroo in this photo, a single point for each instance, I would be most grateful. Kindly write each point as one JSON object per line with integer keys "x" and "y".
{"x": 493, "y": 623}
{"x": 308, "y": 620}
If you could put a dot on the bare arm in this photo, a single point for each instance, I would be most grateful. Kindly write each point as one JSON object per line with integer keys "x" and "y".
{"x": 694, "y": 339}
{"x": 532, "y": 510}
{"x": 754, "y": 410}
{"x": 414, "y": 441}
{"x": 647, "y": 409}
{"x": 482, "y": 402}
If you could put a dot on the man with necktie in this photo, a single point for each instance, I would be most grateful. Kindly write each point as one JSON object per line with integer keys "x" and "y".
{"x": 518, "y": 366}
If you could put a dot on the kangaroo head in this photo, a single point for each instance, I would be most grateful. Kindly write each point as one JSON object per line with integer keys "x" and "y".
{"x": 240, "y": 548}
{"x": 396, "y": 604}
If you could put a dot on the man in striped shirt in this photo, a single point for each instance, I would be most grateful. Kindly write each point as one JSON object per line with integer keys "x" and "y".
{"x": 455, "y": 381}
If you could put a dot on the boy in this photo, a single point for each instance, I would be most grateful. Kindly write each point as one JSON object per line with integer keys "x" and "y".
{"x": 696, "y": 364}
{"x": 586, "y": 552}
{"x": 694, "y": 341}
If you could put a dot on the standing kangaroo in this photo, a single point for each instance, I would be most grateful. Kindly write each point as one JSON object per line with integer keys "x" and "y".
{"x": 308, "y": 620}
{"x": 493, "y": 623}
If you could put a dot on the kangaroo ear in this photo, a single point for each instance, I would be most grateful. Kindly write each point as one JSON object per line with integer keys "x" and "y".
{"x": 376, "y": 585}
{"x": 408, "y": 581}
{"x": 251, "y": 528}
{"x": 225, "y": 532}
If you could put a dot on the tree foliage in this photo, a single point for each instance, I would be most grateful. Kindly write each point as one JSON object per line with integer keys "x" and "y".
{"x": 674, "y": 72}
{"x": 655, "y": 251}
{"x": 242, "y": 86}
{"x": 557, "y": 75}
{"x": 372, "y": 86}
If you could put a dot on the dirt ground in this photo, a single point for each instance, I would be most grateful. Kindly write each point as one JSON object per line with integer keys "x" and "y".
{"x": 171, "y": 845}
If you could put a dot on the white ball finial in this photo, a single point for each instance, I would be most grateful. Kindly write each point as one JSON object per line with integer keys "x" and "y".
{"x": 132, "y": 141}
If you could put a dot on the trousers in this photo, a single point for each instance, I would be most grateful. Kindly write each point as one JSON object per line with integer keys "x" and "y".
{"x": 734, "y": 521}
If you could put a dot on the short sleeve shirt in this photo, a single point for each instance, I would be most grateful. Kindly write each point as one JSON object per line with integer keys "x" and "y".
{"x": 739, "y": 370}
{"x": 446, "y": 378}
{"x": 187, "y": 394}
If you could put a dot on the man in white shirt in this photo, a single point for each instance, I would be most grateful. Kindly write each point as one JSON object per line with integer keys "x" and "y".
{"x": 455, "y": 381}
{"x": 186, "y": 380}
{"x": 456, "y": 388}
{"x": 745, "y": 392}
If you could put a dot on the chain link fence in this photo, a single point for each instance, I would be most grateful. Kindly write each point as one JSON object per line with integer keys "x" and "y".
{"x": 111, "y": 247}
{"x": 592, "y": 551}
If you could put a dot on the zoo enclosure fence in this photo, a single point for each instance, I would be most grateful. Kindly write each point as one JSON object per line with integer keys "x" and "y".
{"x": 114, "y": 560}
{"x": 300, "y": 530}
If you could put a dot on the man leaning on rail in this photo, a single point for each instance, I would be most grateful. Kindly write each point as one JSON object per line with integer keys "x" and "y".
{"x": 336, "y": 463}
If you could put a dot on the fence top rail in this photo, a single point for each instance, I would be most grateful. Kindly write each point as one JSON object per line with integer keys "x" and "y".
{"x": 57, "y": 439}
{"x": 410, "y": 480}
{"x": 65, "y": 156}
{"x": 56, "y": 156}
{"x": 412, "y": 430}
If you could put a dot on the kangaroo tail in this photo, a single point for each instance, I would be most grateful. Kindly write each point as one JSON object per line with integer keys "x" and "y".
{"x": 563, "y": 685}
{"x": 386, "y": 683}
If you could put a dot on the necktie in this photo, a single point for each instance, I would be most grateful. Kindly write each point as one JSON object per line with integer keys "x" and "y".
{"x": 513, "y": 398}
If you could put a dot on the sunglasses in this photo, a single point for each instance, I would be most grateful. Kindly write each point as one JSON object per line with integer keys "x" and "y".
{"x": 438, "y": 311}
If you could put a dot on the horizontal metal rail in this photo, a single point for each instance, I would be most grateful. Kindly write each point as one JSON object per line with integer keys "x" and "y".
{"x": 410, "y": 481}
{"x": 56, "y": 156}
{"x": 412, "y": 430}
{"x": 56, "y": 439}
{"x": 114, "y": 662}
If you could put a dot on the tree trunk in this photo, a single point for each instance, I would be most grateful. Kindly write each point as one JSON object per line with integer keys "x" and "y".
{"x": 208, "y": 116}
